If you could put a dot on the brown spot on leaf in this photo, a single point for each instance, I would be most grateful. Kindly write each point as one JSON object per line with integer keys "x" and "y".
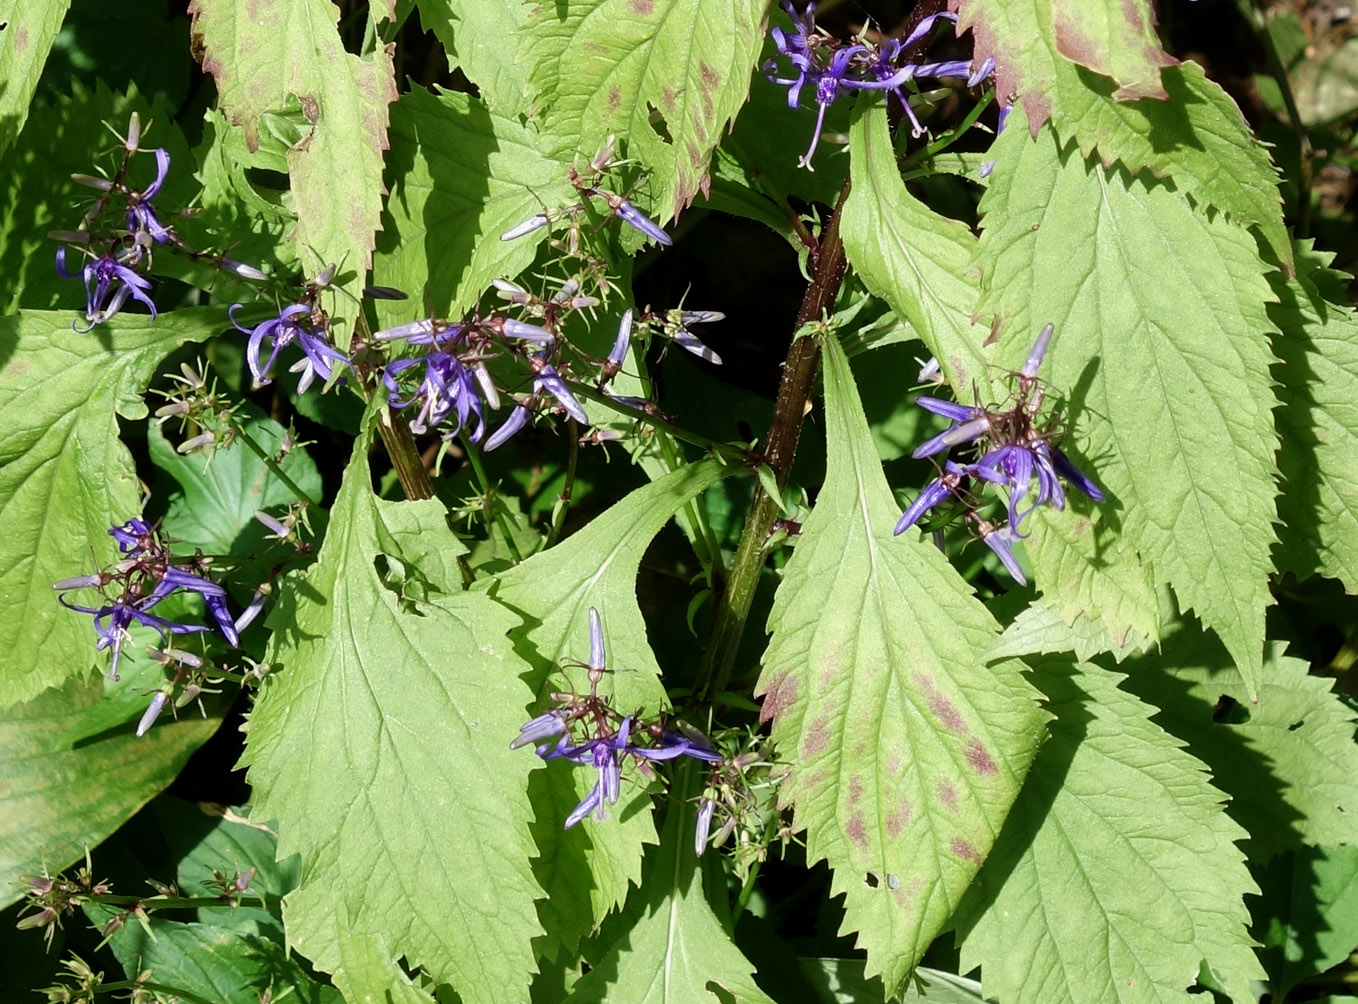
{"x": 311, "y": 108}
{"x": 894, "y": 765}
{"x": 708, "y": 85}
{"x": 780, "y": 695}
{"x": 941, "y": 707}
{"x": 614, "y": 98}
{"x": 963, "y": 849}
{"x": 668, "y": 96}
{"x": 817, "y": 737}
{"x": 947, "y": 794}
{"x": 857, "y": 831}
{"x": 855, "y": 789}
{"x": 898, "y": 818}
{"x": 643, "y": 7}
{"x": 978, "y": 759}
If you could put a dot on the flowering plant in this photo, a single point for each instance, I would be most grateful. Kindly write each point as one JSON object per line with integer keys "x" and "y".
{"x": 658, "y": 500}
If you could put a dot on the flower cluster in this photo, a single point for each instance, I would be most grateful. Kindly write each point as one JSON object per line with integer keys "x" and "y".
{"x": 831, "y": 67}
{"x": 451, "y": 386}
{"x": 740, "y": 798}
{"x": 145, "y": 576}
{"x": 1013, "y": 444}
{"x": 586, "y": 731}
{"x": 118, "y": 255}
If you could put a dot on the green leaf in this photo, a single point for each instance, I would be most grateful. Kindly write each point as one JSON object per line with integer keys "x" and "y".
{"x": 1035, "y": 45}
{"x": 676, "y": 951}
{"x": 586, "y": 870}
{"x": 1116, "y": 825}
{"x": 74, "y": 771}
{"x": 29, "y": 29}
{"x": 38, "y": 193}
{"x": 460, "y": 175}
{"x": 65, "y": 477}
{"x": 1161, "y": 344}
{"x": 1312, "y": 923}
{"x": 841, "y": 981}
{"x": 226, "y": 965}
{"x": 1288, "y": 761}
{"x": 1088, "y": 568}
{"x": 263, "y": 56}
{"x": 483, "y": 38}
{"x": 216, "y": 508}
{"x": 665, "y": 76}
{"x": 1318, "y": 421}
{"x": 1041, "y": 630}
{"x": 381, "y": 744}
{"x": 908, "y": 751}
{"x": 907, "y": 254}
{"x": 1198, "y": 137}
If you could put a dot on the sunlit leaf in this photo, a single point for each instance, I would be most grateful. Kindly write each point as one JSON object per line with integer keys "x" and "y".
{"x": 906, "y": 749}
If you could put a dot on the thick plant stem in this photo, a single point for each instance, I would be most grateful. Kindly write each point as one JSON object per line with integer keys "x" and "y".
{"x": 405, "y": 457}
{"x": 789, "y": 412}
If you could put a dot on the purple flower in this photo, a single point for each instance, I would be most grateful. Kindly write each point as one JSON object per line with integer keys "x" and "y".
{"x": 547, "y": 380}
{"x": 968, "y": 425}
{"x": 108, "y": 283}
{"x": 112, "y": 620}
{"x": 703, "y": 826}
{"x": 517, "y": 419}
{"x": 141, "y": 215}
{"x": 291, "y": 325}
{"x": 448, "y": 387}
{"x": 214, "y": 598}
{"x": 833, "y": 67}
{"x": 944, "y": 486}
{"x": 1001, "y": 541}
{"x": 686, "y": 340}
{"x": 133, "y": 537}
{"x": 637, "y": 220}
{"x": 550, "y": 725}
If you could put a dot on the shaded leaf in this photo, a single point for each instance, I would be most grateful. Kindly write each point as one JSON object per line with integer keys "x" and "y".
{"x": 65, "y": 478}
{"x": 1288, "y": 761}
{"x": 27, "y": 31}
{"x": 381, "y": 741}
{"x": 1115, "y": 824}
{"x": 73, "y": 769}
{"x": 675, "y": 949}
{"x": 1318, "y": 421}
{"x": 1161, "y": 346}
{"x": 460, "y": 175}
{"x": 907, "y": 750}
{"x": 1311, "y": 895}
{"x": 215, "y": 509}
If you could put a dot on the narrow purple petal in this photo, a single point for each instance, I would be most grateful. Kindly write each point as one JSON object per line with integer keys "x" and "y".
{"x": 1076, "y": 476}
{"x": 548, "y": 380}
{"x": 934, "y": 493}
{"x": 1001, "y": 543}
{"x": 634, "y": 218}
{"x": 948, "y": 409}
{"x": 517, "y": 419}
{"x": 624, "y": 339}
{"x": 596, "y": 640}
{"x": 1034, "y": 359}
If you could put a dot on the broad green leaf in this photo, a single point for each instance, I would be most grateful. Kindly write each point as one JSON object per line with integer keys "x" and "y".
{"x": 1288, "y": 762}
{"x": 1117, "y": 875}
{"x": 1311, "y": 896}
{"x": 72, "y": 770}
{"x": 483, "y": 38}
{"x": 676, "y": 950}
{"x": 37, "y": 194}
{"x": 1318, "y": 421}
{"x": 225, "y": 965}
{"x": 369, "y": 973}
{"x": 220, "y": 492}
{"x": 262, "y": 56}
{"x": 1035, "y": 46}
{"x": 907, "y": 749}
{"x": 907, "y": 254}
{"x": 665, "y": 76}
{"x": 586, "y": 870}
{"x": 65, "y": 477}
{"x": 1041, "y": 630}
{"x": 1194, "y": 132}
{"x": 460, "y": 175}
{"x": 1089, "y": 569}
{"x": 1198, "y": 137}
{"x": 27, "y": 30}
{"x": 1161, "y": 347}
{"x": 381, "y": 744}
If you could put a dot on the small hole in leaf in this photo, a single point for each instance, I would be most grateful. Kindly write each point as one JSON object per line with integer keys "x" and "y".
{"x": 1296, "y": 725}
{"x": 872, "y": 880}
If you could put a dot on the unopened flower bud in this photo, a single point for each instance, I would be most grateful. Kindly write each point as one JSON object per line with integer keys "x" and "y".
{"x": 91, "y": 181}
{"x": 199, "y": 442}
{"x": 526, "y": 227}
{"x": 153, "y": 711}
